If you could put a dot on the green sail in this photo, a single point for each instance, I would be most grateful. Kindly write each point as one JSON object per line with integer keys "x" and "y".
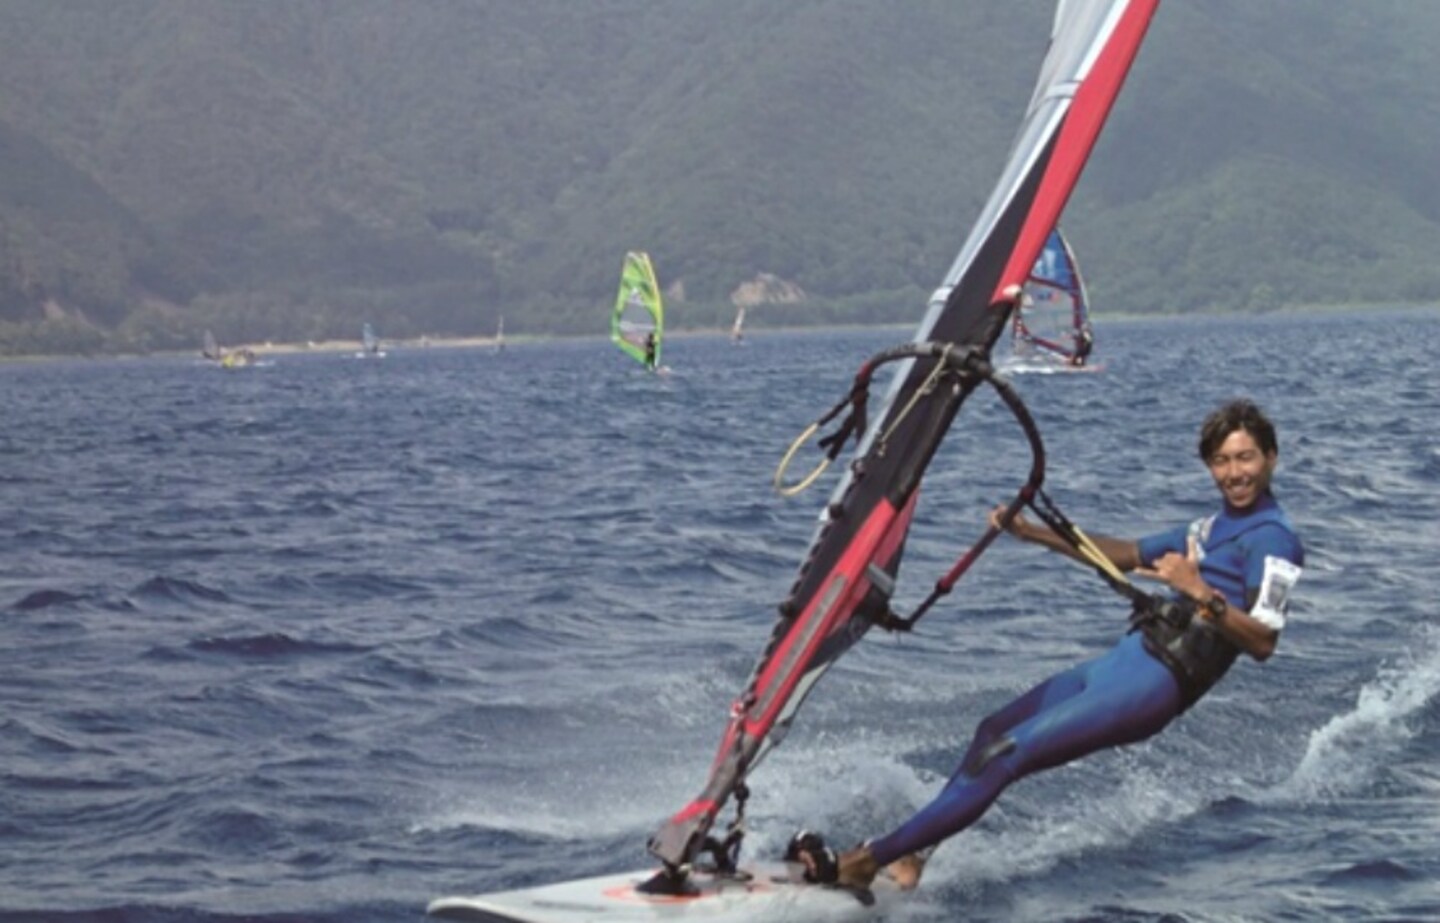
{"x": 639, "y": 312}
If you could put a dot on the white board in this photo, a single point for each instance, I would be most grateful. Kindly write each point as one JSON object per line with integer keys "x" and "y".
{"x": 766, "y": 892}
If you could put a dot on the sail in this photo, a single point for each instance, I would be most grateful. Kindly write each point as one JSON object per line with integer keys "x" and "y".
{"x": 637, "y": 324}
{"x": 844, "y": 584}
{"x": 368, "y": 340}
{"x": 211, "y": 348}
{"x": 500, "y": 334}
{"x": 1054, "y": 315}
{"x": 737, "y": 332}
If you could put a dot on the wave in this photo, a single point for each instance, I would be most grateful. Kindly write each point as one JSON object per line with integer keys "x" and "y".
{"x": 269, "y": 644}
{"x": 45, "y": 599}
{"x": 175, "y": 589}
{"x": 1380, "y": 872}
{"x": 1347, "y": 753}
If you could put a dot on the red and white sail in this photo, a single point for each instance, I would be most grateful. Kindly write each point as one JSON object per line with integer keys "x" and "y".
{"x": 842, "y": 587}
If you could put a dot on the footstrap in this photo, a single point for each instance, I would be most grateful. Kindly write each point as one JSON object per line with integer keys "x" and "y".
{"x": 822, "y": 866}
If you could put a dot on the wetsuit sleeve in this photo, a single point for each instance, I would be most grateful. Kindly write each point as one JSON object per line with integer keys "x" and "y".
{"x": 1273, "y": 563}
{"x": 1160, "y": 544}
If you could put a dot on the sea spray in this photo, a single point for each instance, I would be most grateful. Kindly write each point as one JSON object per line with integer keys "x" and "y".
{"x": 1346, "y": 752}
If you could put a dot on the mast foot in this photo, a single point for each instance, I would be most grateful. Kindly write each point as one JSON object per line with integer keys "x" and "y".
{"x": 671, "y": 882}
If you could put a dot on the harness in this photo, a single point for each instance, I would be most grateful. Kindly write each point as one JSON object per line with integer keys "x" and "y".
{"x": 1193, "y": 649}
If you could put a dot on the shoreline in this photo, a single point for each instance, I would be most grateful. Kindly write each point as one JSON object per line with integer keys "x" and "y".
{"x": 271, "y": 348}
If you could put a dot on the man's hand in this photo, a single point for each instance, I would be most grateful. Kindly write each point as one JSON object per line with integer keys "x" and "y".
{"x": 1181, "y": 572}
{"x": 1018, "y": 526}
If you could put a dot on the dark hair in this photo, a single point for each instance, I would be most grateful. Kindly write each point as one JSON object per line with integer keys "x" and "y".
{"x": 1239, "y": 414}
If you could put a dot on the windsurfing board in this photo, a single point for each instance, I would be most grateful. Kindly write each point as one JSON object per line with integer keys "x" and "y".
{"x": 761, "y": 892}
{"x": 1013, "y": 365}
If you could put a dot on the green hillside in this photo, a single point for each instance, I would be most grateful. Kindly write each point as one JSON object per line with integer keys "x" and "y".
{"x": 288, "y": 170}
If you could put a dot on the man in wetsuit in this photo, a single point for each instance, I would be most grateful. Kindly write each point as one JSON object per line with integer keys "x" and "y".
{"x": 1229, "y": 575}
{"x": 650, "y": 345}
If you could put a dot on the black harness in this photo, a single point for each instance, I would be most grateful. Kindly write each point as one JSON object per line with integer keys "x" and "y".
{"x": 1192, "y": 648}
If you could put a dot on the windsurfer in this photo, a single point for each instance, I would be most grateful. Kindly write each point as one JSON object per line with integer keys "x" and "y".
{"x": 1229, "y": 577}
{"x": 650, "y": 350}
{"x": 1084, "y": 342}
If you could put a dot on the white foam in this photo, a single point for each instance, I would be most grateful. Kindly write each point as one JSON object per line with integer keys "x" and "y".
{"x": 535, "y": 819}
{"x": 1346, "y": 753}
{"x": 563, "y": 805}
{"x": 875, "y": 789}
{"x": 1003, "y": 846}
{"x": 855, "y": 785}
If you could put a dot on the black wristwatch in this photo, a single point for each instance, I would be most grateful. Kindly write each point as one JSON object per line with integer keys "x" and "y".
{"x": 1217, "y": 605}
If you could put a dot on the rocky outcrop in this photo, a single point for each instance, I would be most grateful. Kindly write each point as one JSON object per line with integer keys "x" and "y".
{"x": 767, "y": 288}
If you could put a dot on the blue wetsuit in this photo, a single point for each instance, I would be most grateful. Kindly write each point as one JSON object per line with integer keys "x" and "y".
{"x": 1120, "y": 697}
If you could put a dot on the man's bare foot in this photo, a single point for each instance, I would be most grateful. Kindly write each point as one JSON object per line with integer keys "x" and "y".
{"x": 857, "y": 868}
{"x": 905, "y": 871}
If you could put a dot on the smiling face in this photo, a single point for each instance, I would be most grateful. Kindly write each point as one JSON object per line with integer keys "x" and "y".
{"x": 1241, "y": 469}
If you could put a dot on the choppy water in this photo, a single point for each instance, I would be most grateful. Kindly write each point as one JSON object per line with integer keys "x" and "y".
{"x": 323, "y": 640}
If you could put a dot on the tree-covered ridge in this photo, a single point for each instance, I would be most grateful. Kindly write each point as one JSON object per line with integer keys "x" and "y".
{"x": 285, "y": 171}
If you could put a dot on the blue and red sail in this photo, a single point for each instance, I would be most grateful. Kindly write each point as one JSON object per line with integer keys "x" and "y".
{"x": 1052, "y": 320}
{"x": 843, "y": 586}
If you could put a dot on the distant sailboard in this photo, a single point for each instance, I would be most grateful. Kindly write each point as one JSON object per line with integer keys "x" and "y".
{"x": 637, "y": 322}
{"x": 241, "y": 358}
{"x": 1051, "y": 329}
{"x": 369, "y": 344}
{"x": 846, "y": 583}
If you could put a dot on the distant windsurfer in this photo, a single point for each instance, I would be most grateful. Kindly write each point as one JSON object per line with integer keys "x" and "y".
{"x": 650, "y": 345}
{"x": 238, "y": 358}
{"x": 1229, "y": 575}
{"x": 1084, "y": 342}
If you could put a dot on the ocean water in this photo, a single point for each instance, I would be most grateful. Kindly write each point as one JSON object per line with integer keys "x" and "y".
{"x": 323, "y": 640}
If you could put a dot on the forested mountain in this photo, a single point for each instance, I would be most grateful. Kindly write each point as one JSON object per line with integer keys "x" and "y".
{"x": 287, "y": 170}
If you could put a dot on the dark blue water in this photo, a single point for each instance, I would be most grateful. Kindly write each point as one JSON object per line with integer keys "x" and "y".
{"x": 324, "y": 640}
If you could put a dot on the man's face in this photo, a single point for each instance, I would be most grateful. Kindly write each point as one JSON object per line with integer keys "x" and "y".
{"x": 1241, "y": 470}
